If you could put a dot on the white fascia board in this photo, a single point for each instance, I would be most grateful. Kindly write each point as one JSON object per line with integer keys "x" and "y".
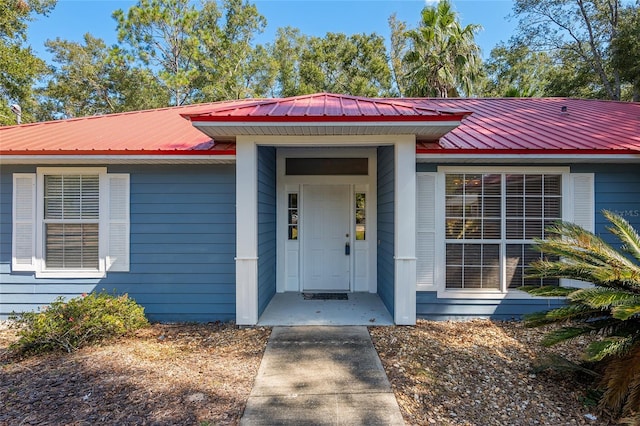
{"x": 516, "y": 158}
{"x": 450, "y": 123}
{"x": 116, "y": 159}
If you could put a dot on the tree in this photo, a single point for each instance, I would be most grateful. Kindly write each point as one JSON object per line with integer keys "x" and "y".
{"x": 516, "y": 71}
{"x": 229, "y": 66}
{"x": 92, "y": 79}
{"x": 609, "y": 310}
{"x": 398, "y": 50}
{"x": 443, "y": 58}
{"x": 19, "y": 67}
{"x": 355, "y": 65}
{"x": 585, "y": 28}
{"x": 162, "y": 34}
{"x": 286, "y": 52}
{"x": 625, "y": 48}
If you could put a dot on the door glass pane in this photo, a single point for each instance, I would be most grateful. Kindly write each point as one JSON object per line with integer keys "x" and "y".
{"x": 361, "y": 216}
{"x": 292, "y": 217}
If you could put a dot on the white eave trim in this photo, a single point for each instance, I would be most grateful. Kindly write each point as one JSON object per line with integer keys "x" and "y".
{"x": 488, "y": 157}
{"x": 117, "y": 159}
{"x": 250, "y": 124}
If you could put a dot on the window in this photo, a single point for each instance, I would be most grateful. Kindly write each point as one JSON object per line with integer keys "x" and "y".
{"x": 327, "y": 166}
{"x": 71, "y": 222}
{"x": 491, "y": 220}
{"x": 361, "y": 216}
{"x": 292, "y": 215}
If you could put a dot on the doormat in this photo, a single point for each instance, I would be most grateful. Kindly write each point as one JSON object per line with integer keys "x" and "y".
{"x": 325, "y": 296}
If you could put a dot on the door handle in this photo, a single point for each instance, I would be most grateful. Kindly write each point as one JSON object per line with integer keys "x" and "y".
{"x": 347, "y": 249}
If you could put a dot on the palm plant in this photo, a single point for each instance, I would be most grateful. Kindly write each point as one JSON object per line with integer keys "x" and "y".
{"x": 443, "y": 57}
{"x": 610, "y": 309}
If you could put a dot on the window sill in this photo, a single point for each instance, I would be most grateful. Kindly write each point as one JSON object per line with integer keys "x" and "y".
{"x": 490, "y": 295}
{"x": 70, "y": 274}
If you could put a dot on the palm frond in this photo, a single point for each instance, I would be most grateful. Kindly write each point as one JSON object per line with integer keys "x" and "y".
{"x": 602, "y": 297}
{"x": 599, "y": 275}
{"x": 571, "y": 241}
{"x": 564, "y": 313}
{"x": 563, "y": 334}
{"x": 548, "y": 291}
{"x": 610, "y": 347}
{"x": 557, "y": 363}
{"x": 625, "y": 232}
{"x": 627, "y": 310}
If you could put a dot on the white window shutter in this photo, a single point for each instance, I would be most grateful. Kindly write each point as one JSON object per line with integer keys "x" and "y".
{"x": 425, "y": 230}
{"x": 23, "y": 255}
{"x": 582, "y": 211}
{"x": 118, "y": 243}
{"x": 582, "y": 187}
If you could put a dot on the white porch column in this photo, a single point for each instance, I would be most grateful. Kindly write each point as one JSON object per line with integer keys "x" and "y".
{"x": 246, "y": 232}
{"x": 405, "y": 231}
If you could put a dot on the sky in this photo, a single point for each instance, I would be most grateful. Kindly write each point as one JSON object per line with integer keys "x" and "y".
{"x": 71, "y": 19}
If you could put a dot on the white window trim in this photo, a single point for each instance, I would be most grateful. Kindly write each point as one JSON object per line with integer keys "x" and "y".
{"x": 440, "y": 265}
{"x": 103, "y": 225}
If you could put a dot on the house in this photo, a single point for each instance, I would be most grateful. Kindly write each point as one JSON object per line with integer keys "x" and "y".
{"x": 205, "y": 212}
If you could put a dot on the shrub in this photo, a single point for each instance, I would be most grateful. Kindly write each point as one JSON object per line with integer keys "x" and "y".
{"x": 610, "y": 310}
{"x": 81, "y": 321}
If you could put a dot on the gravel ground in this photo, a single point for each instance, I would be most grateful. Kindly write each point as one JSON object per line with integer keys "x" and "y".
{"x": 165, "y": 375}
{"x": 480, "y": 373}
{"x": 443, "y": 373}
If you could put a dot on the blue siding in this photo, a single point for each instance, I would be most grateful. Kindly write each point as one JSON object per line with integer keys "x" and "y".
{"x": 266, "y": 226}
{"x": 428, "y": 306}
{"x": 617, "y": 188}
{"x": 182, "y": 246}
{"x": 386, "y": 215}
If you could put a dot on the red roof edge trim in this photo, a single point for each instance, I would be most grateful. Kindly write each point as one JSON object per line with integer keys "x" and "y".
{"x": 329, "y": 119}
{"x": 524, "y": 151}
{"x": 128, "y": 153}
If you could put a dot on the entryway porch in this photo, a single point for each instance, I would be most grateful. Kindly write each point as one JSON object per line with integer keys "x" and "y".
{"x": 291, "y": 308}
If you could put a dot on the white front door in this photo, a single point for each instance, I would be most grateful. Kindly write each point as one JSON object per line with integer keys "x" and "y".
{"x": 325, "y": 233}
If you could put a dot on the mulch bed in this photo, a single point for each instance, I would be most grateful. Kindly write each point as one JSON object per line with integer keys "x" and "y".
{"x": 482, "y": 373}
{"x": 443, "y": 373}
{"x": 165, "y": 375}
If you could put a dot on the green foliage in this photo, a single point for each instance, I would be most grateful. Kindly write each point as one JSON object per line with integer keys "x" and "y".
{"x": 516, "y": 71}
{"x": 91, "y": 79}
{"x": 577, "y": 35}
{"x": 81, "y": 321}
{"x": 19, "y": 67}
{"x": 610, "y": 310}
{"x": 354, "y": 65}
{"x": 625, "y": 48}
{"x": 443, "y": 58}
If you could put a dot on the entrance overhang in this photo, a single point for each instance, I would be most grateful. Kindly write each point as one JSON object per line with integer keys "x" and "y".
{"x": 325, "y": 120}
{"x": 247, "y": 216}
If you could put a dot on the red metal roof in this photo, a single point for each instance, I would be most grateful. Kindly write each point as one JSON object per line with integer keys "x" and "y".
{"x": 524, "y": 125}
{"x": 328, "y": 107}
{"x": 141, "y": 132}
{"x": 496, "y": 125}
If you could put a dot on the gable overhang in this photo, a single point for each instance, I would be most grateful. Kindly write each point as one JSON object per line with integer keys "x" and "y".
{"x": 227, "y": 130}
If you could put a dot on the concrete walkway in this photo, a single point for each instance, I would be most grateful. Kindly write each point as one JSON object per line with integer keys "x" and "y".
{"x": 321, "y": 375}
